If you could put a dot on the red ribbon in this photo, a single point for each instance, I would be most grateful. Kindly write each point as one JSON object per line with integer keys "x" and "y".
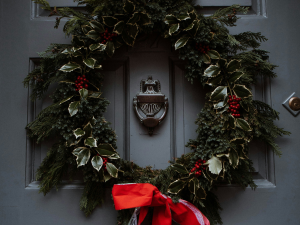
{"x": 128, "y": 196}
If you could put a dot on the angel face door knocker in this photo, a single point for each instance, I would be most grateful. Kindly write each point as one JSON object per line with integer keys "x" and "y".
{"x": 150, "y": 101}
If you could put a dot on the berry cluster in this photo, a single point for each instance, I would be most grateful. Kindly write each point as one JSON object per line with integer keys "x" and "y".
{"x": 202, "y": 48}
{"x": 199, "y": 167}
{"x": 106, "y": 36}
{"x": 81, "y": 82}
{"x": 105, "y": 160}
{"x": 234, "y": 106}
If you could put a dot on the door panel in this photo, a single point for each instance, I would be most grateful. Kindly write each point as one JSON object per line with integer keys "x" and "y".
{"x": 25, "y": 30}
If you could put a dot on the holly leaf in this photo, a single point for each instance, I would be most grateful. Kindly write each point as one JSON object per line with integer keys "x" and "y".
{"x": 174, "y": 28}
{"x": 119, "y": 27}
{"x": 183, "y": 16}
{"x": 219, "y": 94}
{"x": 86, "y": 29}
{"x": 193, "y": 185}
{"x": 222, "y": 63}
{"x": 128, "y": 7}
{"x": 213, "y": 54}
{"x": 206, "y": 58}
{"x": 232, "y": 122}
{"x": 144, "y": 19}
{"x": 69, "y": 67}
{"x": 99, "y": 46}
{"x": 93, "y": 94}
{"x": 235, "y": 76}
{"x": 66, "y": 99}
{"x": 179, "y": 168}
{"x": 110, "y": 21}
{"x": 90, "y": 62}
{"x": 243, "y": 124}
{"x": 181, "y": 42}
{"x": 214, "y": 165}
{"x": 200, "y": 193}
{"x": 212, "y": 71}
{"x": 110, "y": 48}
{"x": 106, "y": 150}
{"x": 97, "y": 26}
{"x": 107, "y": 177}
{"x": 233, "y": 66}
{"x": 82, "y": 156}
{"x": 78, "y": 132}
{"x": 88, "y": 130}
{"x": 91, "y": 142}
{"x": 112, "y": 170}
{"x": 195, "y": 29}
{"x": 233, "y": 158}
{"x": 170, "y": 19}
{"x": 176, "y": 186}
{"x": 93, "y": 35}
{"x": 241, "y": 91}
{"x": 244, "y": 106}
{"x": 73, "y": 108}
{"x": 189, "y": 27}
{"x": 134, "y": 19}
{"x": 215, "y": 81}
{"x": 128, "y": 39}
{"x": 220, "y": 105}
{"x": 97, "y": 162}
{"x": 133, "y": 30}
{"x": 83, "y": 93}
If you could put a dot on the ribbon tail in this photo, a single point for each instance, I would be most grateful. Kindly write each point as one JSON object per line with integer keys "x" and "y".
{"x": 143, "y": 214}
{"x": 162, "y": 215}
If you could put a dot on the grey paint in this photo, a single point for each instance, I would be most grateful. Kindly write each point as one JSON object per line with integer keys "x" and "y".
{"x": 275, "y": 202}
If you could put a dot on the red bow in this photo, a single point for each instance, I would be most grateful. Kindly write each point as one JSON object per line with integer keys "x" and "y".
{"x": 128, "y": 196}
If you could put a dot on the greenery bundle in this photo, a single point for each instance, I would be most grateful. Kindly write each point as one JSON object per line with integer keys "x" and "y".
{"x": 230, "y": 120}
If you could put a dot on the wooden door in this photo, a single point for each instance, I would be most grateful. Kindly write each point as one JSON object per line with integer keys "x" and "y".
{"x": 25, "y": 30}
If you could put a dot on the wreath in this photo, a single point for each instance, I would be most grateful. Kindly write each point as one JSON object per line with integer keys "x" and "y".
{"x": 230, "y": 120}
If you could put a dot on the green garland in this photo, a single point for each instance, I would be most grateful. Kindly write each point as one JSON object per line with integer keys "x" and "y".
{"x": 230, "y": 119}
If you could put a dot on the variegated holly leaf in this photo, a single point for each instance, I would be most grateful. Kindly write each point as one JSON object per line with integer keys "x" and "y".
{"x": 128, "y": 7}
{"x": 105, "y": 150}
{"x": 179, "y": 168}
{"x": 112, "y": 170}
{"x": 220, "y": 105}
{"x": 78, "y": 133}
{"x": 181, "y": 42}
{"x": 145, "y": 19}
{"x": 133, "y": 30}
{"x": 66, "y": 99}
{"x": 235, "y": 76}
{"x": 195, "y": 28}
{"x": 110, "y": 48}
{"x": 134, "y": 19}
{"x": 119, "y": 27}
{"x": 67, "y": 51}
{"x": 232, "y": 122}
{"x": 72, "y": 141}
{"x": 189, "y": 27}
{"x": 233, "y": 66}
{"x": 205, "y": 58}
{"x": 93, "y": 35}
{"x": 73, "y": 108}
{"x": 75, "y": 49}
{"x": 233, "y": 158}
{"x": 200, "y": 193}
{"x": 99, "y": 46}
{"x": 83, "y": 93}
{"x": 193, "y": 185}
{"x": 244, "y": 106}
{"x": 93, "y": 121}
{"x": 106, "y": 176}
{"x": 174, "y": 28}
{"x": 222, "y": 63}
{"x": 219, "y": 94}
{"x": 212, "y": 71}
{"x": 97, "y": 26}
{"x": 127, "y": 38}
{"x": 77, "y": 41}
{"x": 69, "y": 67}
{"x": 88, "y": 130}
{"x": 97, "y": 162}
{"x": 82, "y": 156}
{"x": 91, "y": 142}
{"x": 90, "y": 62}
{"x": 86, "y": 29}
{"x": 213, "y": 54}
{"x": 176, "y": 186}
{"x": 183, "y": 16}
{"x": 243, "y": 124}
{"x": 241, "y": 91}
{"x": 110, "y": 21}
{"x": 214, "y": 81}
{"x": 214, "y": 165}
{"x": 171, "y": 19}
{"x": 93, "y": 94}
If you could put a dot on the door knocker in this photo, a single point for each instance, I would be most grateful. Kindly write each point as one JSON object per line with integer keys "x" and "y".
{"x": 150, "y": 101}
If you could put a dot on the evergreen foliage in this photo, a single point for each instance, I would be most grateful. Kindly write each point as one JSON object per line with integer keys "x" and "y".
{"x": 75, "y": 119}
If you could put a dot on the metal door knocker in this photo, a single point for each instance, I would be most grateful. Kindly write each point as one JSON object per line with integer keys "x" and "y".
{"x": 150, "y": 101}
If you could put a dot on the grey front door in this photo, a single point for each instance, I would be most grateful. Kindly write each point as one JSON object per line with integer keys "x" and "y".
{"x": 25, "y": 30}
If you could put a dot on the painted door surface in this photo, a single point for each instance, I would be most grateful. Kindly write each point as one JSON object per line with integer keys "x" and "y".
{"x": 25, "y": 30}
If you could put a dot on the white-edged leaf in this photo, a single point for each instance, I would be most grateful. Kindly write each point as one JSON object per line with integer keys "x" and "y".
{"x": 110, "y": 48}
{"x": 66, "y": 99}
{"x": 112, "y": 170}
{"x": 91, "y": 142}
{"x": 233, "y": 66}
{"x": 212, "y": 71}
{"x": 243, "y": 124}
{"x": 232, "y": 122}
{"x": 82, "y": 156}
{"x": 97, "y": 162}
{"x": 176, "y": 186}
{"x": 99, "y": 46}
{"x": 73, "y": 108}
{"x": 93, "y": 94}
{"x": 78, "y": 132}
{"x": 235, "y": 76}
{"x": 219, "y": 94}
{"x": 181, "y": 42}
{"x": 93, "y": 35}
{"x": 213, "y": 54}
{"x": 241, "y": 91}
{"x": 90, "y": 62}
{"x": 171, "y": 19}
{"x": 69, "y": 67}
{"x": 214, "y": 165}
{"x": 174, "y": 28}
{"x": 97, "y": 26}
{"x": 206, "y": 59}
{"x": 179, "y": 168}
{"x": 83, "y": 93}
{"x": 233, "y": 158}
